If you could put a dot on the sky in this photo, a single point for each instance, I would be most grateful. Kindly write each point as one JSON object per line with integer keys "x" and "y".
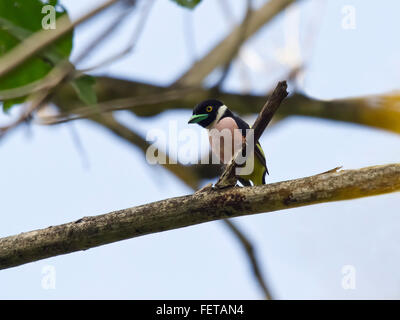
{"x": 48, "y": 178}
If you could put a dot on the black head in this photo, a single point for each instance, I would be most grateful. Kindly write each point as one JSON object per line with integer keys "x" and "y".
{"x": 205, "y": 112}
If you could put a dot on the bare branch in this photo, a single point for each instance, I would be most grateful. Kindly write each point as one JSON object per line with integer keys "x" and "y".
{"x": 250, "y": 252}
{"x": 131, "y": 43}
{"x": 186, "y": 174}
{"x": 378, "y": 111}
{"x": 116, "y": 105}
{"x": 201, "y": 207}
{"x": 234, "y": 51}
{"x": 37, "y": 99}
{"x": 219, "y": 55}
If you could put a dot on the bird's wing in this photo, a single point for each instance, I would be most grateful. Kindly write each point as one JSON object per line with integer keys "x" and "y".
{"x": 258, "y": 151}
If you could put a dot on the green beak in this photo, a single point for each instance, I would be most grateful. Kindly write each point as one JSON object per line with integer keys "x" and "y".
{"x": 197, "y": 118}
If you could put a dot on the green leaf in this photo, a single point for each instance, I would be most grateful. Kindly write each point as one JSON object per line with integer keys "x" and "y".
{"x": 53, "y": 2}
{"x": 187, "y": 3}
{"x": 84, "y": 87}
{"x": 18, "y": 20}
{"x": 7, "y": 105}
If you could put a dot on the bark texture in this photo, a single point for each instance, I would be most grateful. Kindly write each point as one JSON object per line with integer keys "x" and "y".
{"x": 200, "y": 207}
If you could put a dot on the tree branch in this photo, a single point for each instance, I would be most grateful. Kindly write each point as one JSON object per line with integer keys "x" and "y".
{"x": 200, "y": 207}
{"x": 222, "y": 53}
{"x": 378, "y": 111}
{"x": 250, "y": 252}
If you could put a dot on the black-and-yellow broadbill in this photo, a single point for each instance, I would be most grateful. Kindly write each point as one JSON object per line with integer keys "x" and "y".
{"x": 213, "y": 114}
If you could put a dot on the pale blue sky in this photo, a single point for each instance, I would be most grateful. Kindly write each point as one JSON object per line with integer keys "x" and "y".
{"x": 45, "y": 180}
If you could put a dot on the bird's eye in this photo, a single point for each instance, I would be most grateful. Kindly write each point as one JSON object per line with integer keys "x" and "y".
{"x": 209, "y": 109}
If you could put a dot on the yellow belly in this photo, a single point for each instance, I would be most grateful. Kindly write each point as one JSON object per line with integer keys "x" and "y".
{"x": 257, "y": 174}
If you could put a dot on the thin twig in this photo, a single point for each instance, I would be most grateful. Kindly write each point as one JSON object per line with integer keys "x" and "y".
{"x": 116, "y": 105}
{"x": 235, "y": 49}
{"x": 250, "y": 252}
{"x": 23, "y": 90}
{"x": 132, "y": 42}
{"x": 184, "y": 173}
{"x": 36, "y": 100}
{"x": 217, "y": 56}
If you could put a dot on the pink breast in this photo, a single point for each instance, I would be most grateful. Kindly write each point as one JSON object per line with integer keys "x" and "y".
{"x": 230, "y": 139}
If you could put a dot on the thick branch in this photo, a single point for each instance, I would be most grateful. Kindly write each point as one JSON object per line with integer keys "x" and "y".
{"x": 193, "y": 209}
{"x": 378, "y": 111}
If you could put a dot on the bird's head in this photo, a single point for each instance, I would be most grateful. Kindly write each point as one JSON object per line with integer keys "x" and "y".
{"x": 206, "y": 112}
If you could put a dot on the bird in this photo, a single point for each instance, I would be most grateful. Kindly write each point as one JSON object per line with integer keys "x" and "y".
{"x": 214, "y": 114}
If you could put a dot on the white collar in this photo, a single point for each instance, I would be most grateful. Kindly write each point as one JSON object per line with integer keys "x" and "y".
{"x": 220, "y": 113}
